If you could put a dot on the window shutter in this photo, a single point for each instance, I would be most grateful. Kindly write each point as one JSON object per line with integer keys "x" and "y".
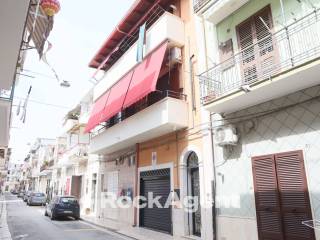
{"x": 263, "y": 25}
{"x": 294, "y": 196}
{"x": 258, "y": 50}
{"x": 246, "y": 40}
{"x": 267, "y": 198}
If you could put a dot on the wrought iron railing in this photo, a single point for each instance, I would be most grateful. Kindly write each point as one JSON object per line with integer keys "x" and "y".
{"x": 198, "y": 4}
{"x": 5, "y": 94}
{"x": 143, "y": 104}
{"x": 294, "y": 45}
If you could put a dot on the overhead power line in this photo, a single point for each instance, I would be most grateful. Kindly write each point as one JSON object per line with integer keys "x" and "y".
{"x": 42, "y": 103}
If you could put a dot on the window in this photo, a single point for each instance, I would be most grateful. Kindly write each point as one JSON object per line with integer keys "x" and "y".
{"x": 68, "y": 200}
{"x": 258, "y": 57}
{"x": 112, "y": 184}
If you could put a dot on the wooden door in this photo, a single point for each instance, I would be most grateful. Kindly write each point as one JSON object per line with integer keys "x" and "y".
{"x": 295, "y": 204}
{"x": 267, "y": 198}
{"x": 257, "y": 45}
{"x": 282, "y": 199}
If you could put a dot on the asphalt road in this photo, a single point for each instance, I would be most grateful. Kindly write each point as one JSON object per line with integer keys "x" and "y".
{"x": 29, "y": 223}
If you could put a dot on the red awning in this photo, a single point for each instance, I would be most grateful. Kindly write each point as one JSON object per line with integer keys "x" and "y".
{"x": 96, "y": 112}
{"x": 116, "y": 98}
{"x": 137, "y": 84}
{"x": 146, "y": 74}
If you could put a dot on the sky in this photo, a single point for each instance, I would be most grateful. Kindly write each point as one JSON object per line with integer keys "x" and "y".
{"x": 79, "y": 30}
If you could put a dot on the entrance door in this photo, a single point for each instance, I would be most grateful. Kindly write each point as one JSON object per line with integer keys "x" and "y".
{"x": 194, "y": 190}
{"x": 93, "y": 192}
{"x": 282, "y": 199}
{"x": 76, "y": 183}
{"x": 156, "y": 182}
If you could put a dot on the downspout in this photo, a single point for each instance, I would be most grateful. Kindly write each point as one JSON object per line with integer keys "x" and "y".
{"x": 214, "y": 225}
{"x": 136, "y": 194}
{"x": 191, "y": 81}
{"x": 214, "y": 220}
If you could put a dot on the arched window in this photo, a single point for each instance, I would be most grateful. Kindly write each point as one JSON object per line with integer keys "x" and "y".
{"x": 192, "y": 161}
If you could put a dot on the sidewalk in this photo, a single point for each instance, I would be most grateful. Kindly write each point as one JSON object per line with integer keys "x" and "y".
{"x": 128, "y": 231}
{"x": 4, "y": 229}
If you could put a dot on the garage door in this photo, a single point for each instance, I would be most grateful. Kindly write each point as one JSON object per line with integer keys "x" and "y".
{"x": 158, "y": 183}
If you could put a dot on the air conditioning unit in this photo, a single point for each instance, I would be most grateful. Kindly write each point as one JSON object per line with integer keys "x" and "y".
{"x": 226, "y": 135}
{"x": 175, "y": 55}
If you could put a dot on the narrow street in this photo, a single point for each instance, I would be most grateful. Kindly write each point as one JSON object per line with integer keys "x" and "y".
{"x": 29, "y": 223}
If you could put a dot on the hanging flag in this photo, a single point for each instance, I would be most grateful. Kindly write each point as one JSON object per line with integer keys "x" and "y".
{"x": 45, "y": 60}
{"x": 24, "y": 113}
{"x": 18, "y": 108}
{"x": 141, "y": 42}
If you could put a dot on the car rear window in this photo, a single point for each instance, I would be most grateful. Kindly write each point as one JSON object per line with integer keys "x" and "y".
{"x": 38, "y": 194}
{"x": 68, "y": 200}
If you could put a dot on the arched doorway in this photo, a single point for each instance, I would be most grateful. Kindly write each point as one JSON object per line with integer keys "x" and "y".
{"x": 194, "y": 191}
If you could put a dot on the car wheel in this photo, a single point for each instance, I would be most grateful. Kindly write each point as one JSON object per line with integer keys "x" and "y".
{"x": 52, "y": 217}
{"x": 45, "y": 213}
{"x": 76, "y": 218}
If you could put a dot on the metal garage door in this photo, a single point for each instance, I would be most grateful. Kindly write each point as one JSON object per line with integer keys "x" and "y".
{"x": 157, "y": 182}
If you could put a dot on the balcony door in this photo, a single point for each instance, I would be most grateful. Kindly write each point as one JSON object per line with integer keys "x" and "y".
{"x": 258, "y": 57}
{"x": 282, "y": 197}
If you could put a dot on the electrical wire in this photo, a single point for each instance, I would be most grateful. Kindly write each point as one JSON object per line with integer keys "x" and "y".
{"x": 42, "y": 103}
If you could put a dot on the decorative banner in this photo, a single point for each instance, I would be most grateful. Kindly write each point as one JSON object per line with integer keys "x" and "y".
{"x": 141, "y": 42}
{"x": 45, "y": 60}
{"x": 24, "y": 107}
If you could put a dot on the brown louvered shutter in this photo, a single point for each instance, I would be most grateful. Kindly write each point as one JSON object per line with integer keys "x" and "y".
{"x": 257, "y": 45}
{"x": 245, "y": 33}
{"x": 267, "y": 198}
{"x": 295, "y": 205}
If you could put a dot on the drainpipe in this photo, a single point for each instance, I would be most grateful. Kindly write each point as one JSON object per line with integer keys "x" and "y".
{"x": 214, "y": 225}
{"x": 214, "y": 217}
{"x": 136, "y": 182}
{"x": 191, "y": 81}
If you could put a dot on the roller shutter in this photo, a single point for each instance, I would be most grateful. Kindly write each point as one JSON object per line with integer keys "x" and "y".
{"x": 158, "y": 183}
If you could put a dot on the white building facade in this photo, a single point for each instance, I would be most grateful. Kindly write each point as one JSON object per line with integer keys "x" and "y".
{"x": 259, "y": 81}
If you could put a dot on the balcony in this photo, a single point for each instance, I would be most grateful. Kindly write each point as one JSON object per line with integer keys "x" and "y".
{"x": 167, "y": 27}
{"x": 5, "y": 108}
{"x": 199, "y": 4}
{"x": 70, "y": 125}
{"x": 46, "y": 166}
{"x": 279, "y": 64}
{"x": 217, "y": 10}
{"x": 149, "y": 122}
{"x": 12, "y": 27}
{"x": 79, "y": 152}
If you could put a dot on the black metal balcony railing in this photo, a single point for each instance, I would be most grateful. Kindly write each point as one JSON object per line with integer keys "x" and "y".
{"x": 5, "y": 94}
{"x": 294, "y": 45}
{"x": 151, "y": 99}
{"x": 198, "y": 4}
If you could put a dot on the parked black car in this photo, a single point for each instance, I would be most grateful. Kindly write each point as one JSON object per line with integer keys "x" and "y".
{"x": 63, "y": 206}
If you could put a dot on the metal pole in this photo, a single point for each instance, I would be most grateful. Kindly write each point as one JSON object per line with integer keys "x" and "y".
{"x": 284, "y": 21}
